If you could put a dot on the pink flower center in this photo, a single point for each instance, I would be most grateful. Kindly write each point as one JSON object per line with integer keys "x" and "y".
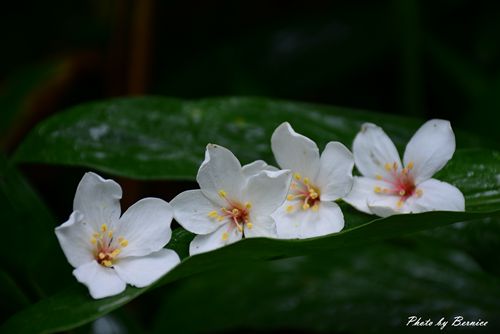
{"x": 402, "y": 183}
{"x": 237, "y": 213}
{"x": 107, "y": 247}
{"x": 302, "y": 189}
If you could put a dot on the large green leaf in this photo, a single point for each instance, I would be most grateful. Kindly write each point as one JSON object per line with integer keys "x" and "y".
{"x": 161, "y": 138}
{"x": 383, "y": 284}
{"x": 164, "y": 138}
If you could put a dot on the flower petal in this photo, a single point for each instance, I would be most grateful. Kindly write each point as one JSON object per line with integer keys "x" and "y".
{"x": 430, "y": 148}
{"x": 437, "y": 195}
{"x": 308, "y": 223}
{"x": 220, "y": 171}
{"x": 214, "y": 240}
{"x": 144, "y": 270}
{"x": 264, "y": 226}
{"x": 146, "y": 226}
{"x": 256, "y": 167}
{"x": 101, "y": 281}
{"x": 372, "y": 150}
{"x": 363, "y": 192}
{"x": 74, "y": 237}
{"x": 98, "y": 200}
{"x": 191, "y": 210}
{"x": 266, "y": 191}
{"x": 295, "y": 151}
{"x": 335, "y": 173}
{"x": 386, "y": 207}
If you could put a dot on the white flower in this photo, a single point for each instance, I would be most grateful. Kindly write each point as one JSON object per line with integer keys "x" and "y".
{"x": 316, "y": 183}
{"x": 389, "y": 187}
{"x": 232, "y": 201}
{"x": 109, "y": 251}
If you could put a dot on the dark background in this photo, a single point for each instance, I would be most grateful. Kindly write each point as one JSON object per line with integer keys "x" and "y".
{"x": 419, "y": 58}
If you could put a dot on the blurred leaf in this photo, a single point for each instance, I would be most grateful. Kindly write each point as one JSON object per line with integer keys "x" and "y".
{"x": 13, "y": 297}
{"x": 371, "y": 289}
{"x": 27, "y": 221}
{"x": 29, "y": 253}
{"x": 161, "y": 138}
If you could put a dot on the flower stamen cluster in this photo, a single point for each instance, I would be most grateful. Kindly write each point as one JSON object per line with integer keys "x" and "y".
{"x": 107, "y": 248}
{"x": 302, "y": 189}
{"x": 402, "y": 183}
{"x": 237, "y": 213}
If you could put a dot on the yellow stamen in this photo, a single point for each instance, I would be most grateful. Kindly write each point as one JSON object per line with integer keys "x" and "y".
{"x": 240, "y": 229}
{"x": 248, "y": 205}
{"x": 377, "y": 189}
{"x": 225, "y": 236}
{"x": 107, "y": 263}
{"x": 405, "y": 170}
{"x": 213, "y": 214}
{"x": 93, "y": 241}
{"x": 297, "y": 176}
{"x": 399, "y": 204}
{"x": 110, "y": 234}
{"x": 124, "y": 243}
{"x": 115, "y": 252}
{"x": 410, "y": 165}
{"x": 249, "y": 225}
{"x": 395, "y": 166}
{"x": 222, "y": 193}
{"x": 306, "y": 180}
{"x": 96, "y": 235}
{"x": 289, "y": 209}
{"x": 305, "y": 206}
{"x": 290, "y": 197}
{"x": 387, "y": 166}
{"x": 315, "y": 207}
{"x": 104, "y": 228}
{"x": 402, "y": 192}
{"x": 419, "y": 192}
{"x": 378, "y": 177}
{"x": 102, "y": 255}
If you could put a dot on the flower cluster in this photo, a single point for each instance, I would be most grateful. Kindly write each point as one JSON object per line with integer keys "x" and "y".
{"x": 255, "y": 200}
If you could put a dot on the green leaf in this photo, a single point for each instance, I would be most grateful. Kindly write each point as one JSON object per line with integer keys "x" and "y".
{"x": 382, "y": 284}
{"x": 162, "y": 138}
{"x": 28, "y": 235}
{"x": 476, "y": 173}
